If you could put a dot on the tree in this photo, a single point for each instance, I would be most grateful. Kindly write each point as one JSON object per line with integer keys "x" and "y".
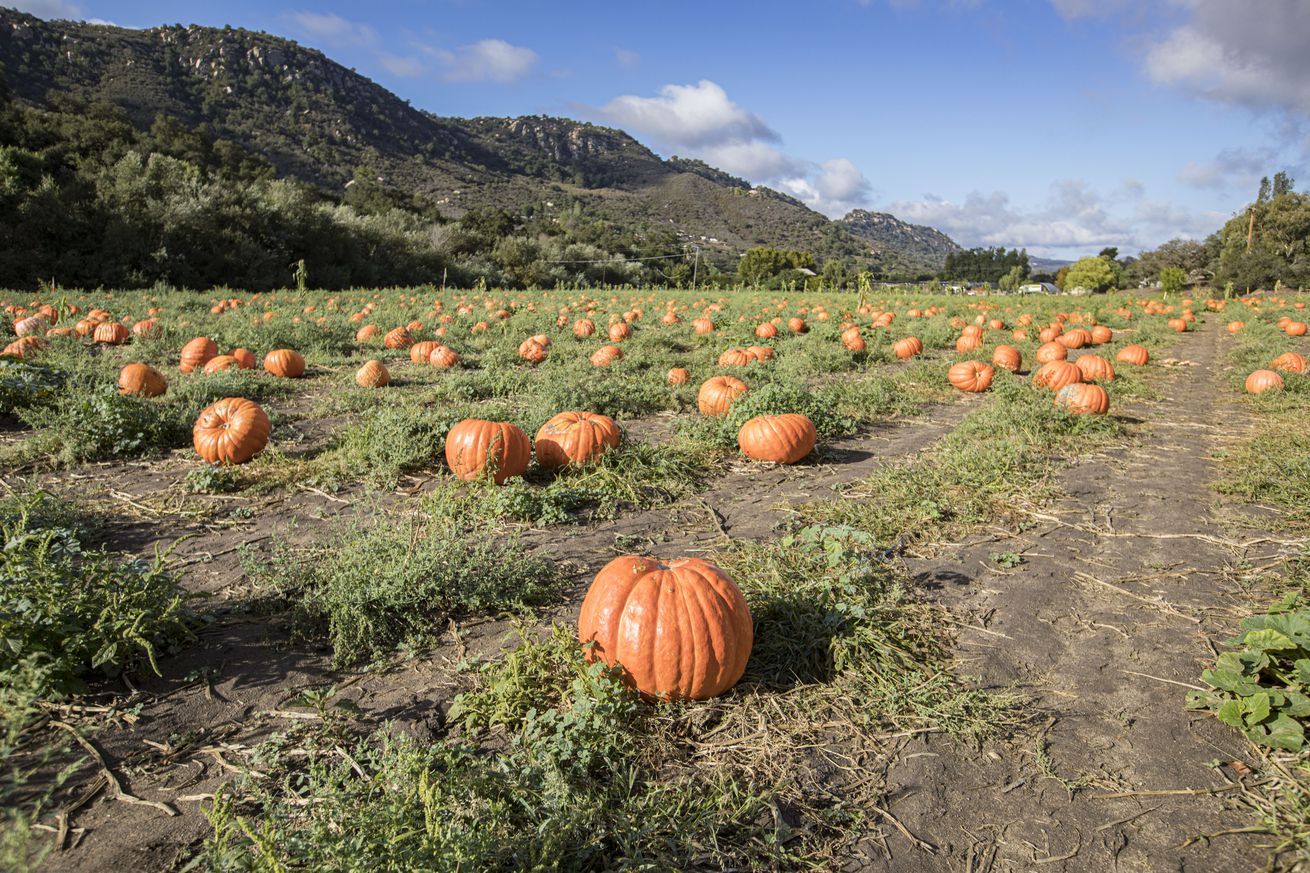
{"x": 1013, "y": 279}
{"x": 1093, "y": 274}
{"x": 1172, "y": 280}
{"x": 1110, "y": 253}
{"x": 1283, "y": 183}
{"x": 760, "y": 265}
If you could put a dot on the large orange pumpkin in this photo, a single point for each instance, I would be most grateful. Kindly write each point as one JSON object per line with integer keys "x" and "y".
{"x": 218, "y": 363}
{"x": 142, "y": 380}
{"x": 1051, "y": 351}
{"x": 1057, "y": 374}
{"x": 575, "y": 438}
{"x": 475, "y": 447}
{"x": 736, "y": 358}
{"x": 231, "y": 431}
{"x": 1263, "y": 380}
{"x": 717, "y": 394}
{"x": 421, "y": 353}
{"x": 907, "y": 348}
{"x": 1095, "y": 368}
{"x": 583, "y": 328}
{"x": 287, "y": 363}
{"x": 373, "y": 374}
{"x": 1007, "y": 358}
{"x": 1134, "y": 354}
{"x": 197, "y": 353}
{"x": 398, "y": 338}
{"x": 443, "y": 356}
{"x": 972, "y": 376}
{"x": 1289, "y": 362}
{"x": 679, "y": 376}
{"x": 619, "y": 331}
{"x": 111, "y": 333}
{"x": 702, "y": 325}
{"x": 680, "y": 630}
{"x": 1296, "y": 328}
{"x": 767, "y": 330}
{"x": 245, "y": 358}
{"x": 1081, "y": 398}
{"x": 782, "y": 439}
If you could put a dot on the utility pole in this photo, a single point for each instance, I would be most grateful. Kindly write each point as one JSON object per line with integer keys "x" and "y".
{"x": 1250, "y": 230}
{"x": 695, "y": 267}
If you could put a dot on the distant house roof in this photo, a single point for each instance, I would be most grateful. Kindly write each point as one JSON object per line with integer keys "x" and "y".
{"x": 1039, "y": 288}
{"x": 807, "y": 271}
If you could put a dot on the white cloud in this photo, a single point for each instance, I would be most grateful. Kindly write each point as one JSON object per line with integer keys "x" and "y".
{"x": 48, "y": 9}
{"x": 489, "y": 60}
{"x": 1071, "y": 9}
{"x": 332, "y": 30}
{"x": 399, "y": 65}
{"x": 834, "y": 187}
{"x": 688, "y": 115}
{"x": 627, "y": 57}
{"x": 1231, "y": 168}
{"x": 1238, "y": 53}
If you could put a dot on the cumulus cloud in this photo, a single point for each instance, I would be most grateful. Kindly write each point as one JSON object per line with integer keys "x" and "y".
{"x": 1231, "y": 168}
{"x": 488, "y": 60}
{"x": 834, "y": 187}
{"x": 1235, "y": 53}
{"x": 689, "y": 116}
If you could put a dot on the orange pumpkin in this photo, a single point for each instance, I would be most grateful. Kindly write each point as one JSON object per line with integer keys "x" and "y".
{"x": 736, "y": 358}
{"x": 1263, "y": 380}
{"x": 532, "y": 351}
{"x": 1289, "y": 362}
{"x": 717, "y": 394}
{"x": 398, "y": 338}
{"x": 1051, "y": 351}
{"x": 781, "y": 439}
{"x": 231, "y": 431}
{"x": 111, "y": 333}
{"x": 197, "y": 353}
{"x": 219, "y": 363}
{"x": 1295, "y": 328}
{"x": 619, "y": 331}
{"x": 702, "y": 325}
{"x": 972, "y": 376}
{"x": 1095, "y": 368}
{"x": 421, "y": 353}
{"x": 1102, "y": 334}
{"x": 575, "y": 438}
{"x": 1057, "y": 374}
{"x": 907, "y": 348}
{"x": 796, "y": 325}
{"x": 767, "y": 330}
{"x": 245, "y": 358}
{"x": 967, "y": 342}
{"x": 1081, "y": 398}
{"x": 373, "y": 374}
{"x": 366, "y": 333}
{"x": 1134, "y": 354}
{"x": 583, "y": 328}
{"x": 286, "y": 363}
{"x": 443, "y": 356}
{"x": 1007, "y": 358}
{"x": 679, "y": 376}
{"x": 680, "y": 630}
{"x": 142, "y": 380}
{"x": 606, "y": 355}
{"x": 475, "y": 447}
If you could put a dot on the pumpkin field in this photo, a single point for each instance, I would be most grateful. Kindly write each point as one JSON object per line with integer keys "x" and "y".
{"x": 633, "y": 579}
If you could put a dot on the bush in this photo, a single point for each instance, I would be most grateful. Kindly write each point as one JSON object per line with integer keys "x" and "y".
{"x": 103, "y": 424}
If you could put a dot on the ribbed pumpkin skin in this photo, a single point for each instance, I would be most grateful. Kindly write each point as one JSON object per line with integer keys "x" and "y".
{"x": 218, "y": 363}
{"x": 972, "y": 376}
{"x": 111, "y": 333}
{"x": 398, "y": 338}
{"x": 286, "y": 363}
{"x": 717, "y": 393}
{"x": 606, "y": 355}
{"x": 1082, "y": 398}
{"x": 679, "y": 376}
{"x": 702, "y": 325}
{"x": 419, "y": 353}
{"x": 782, "y": 439}
{"x": 366, "y": 333}
{"x": 197, "y": 353}
{"x": 231, "y": 431}
{"x": 1056, "y": 375}
{"x": 619, "y": 331}
{"x": 1289, "y": 362}
{"x": 475, "y": 446}
{"x": 373, "y": 374}
{"x": 736, "y": 358}
{"x": 766, "y": 331}
{"x": 1136, "y": 355}
{"x": 443, "y": 356}
{"x": 245, "y": 358}
{"x": 1095, "y": 368}
{"x": 680, "y": 630}
{"x": 1051, "y": 351}
{"x": 1263, "y": 380}
{"x": 142, "y": 380}
{"x": 575, "y": 438}
{"x": 1102, "y": 334}
{"x": 1007, "y": 358}
{"x": 583, "y": 328}
{"x": 907, "y": 348}
{"x": 967, "y": 342}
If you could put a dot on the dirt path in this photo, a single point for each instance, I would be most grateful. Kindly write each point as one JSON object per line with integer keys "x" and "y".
{"x": 233, "y": 688}
{"x": 1121, "y": 582}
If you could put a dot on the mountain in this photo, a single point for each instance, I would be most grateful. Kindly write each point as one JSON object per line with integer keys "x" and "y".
{"x": 1046, "y": 265}
{"x": 888, "y": 234}
{"x": 316, "y": 121}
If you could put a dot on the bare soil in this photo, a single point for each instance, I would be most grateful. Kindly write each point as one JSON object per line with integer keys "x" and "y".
{"x": 1125, "y": 582}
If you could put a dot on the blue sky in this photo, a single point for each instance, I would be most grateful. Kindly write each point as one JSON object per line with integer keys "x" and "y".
{"x": 1059, "y": 125}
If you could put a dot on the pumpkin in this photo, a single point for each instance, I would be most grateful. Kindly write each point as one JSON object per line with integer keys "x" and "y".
{"x": 907, "y": 348}
{"x": 142, "y": 380}
{"x": 702, "y": 325}
{"x": 1095, "y": 368}
{"x": 287, "y": 363}
{"x": 796, "y": 325}
{"x": 854, "y": 343}
{"x": 197, "y": 353}
{"x": 86, "y": 326}
{"x": 1234, "y": 326}
{"x": 1134, "y": 354}
{"x": 767, "y": 330}
{"x": 606, "y": 355}
{"x": 1263, "y": 380}
{"x": 23, "y": 346}
{"x": 1178, "y": 324}
{"x": 680, "y": 630}
{"x": 1102, "y": 334}
{"x": 575, "y": 438}
{"x": 245, "y": 358}
{"x": 111, "y": 333}
{"x": 679, "y": 376}
{"x": 532, "y": 351}
{"x": 972, "y": 376}
{"x": 231, "y": 431}
{"x": 398, "y": 338}
{"x": 373, "y": 374}
{"x": 967, "y": 342}
{"x": 782, "y": 439}
{"x": 1007, "y": 358}
{"x": 619, "y": 331}
{"x": 1057, "y": 374}
{"x": 1289, "y": 362}
{"x": 670, "y": 318}
{"x": 421, "y": 353}
{"x": 1074, "y": 339}
{"x": 1081, "y": 398}
{"x": 475, "y": 447}
{"x": 736, "y": 358}
{"x": 366, "y": 333}
{"x": 717, "y": 394}
{"x": 761, "y": 353}
{"x": 1296, "y": 328}
{"x": 1051, "y": 351}
{"x": 219, "y": 363}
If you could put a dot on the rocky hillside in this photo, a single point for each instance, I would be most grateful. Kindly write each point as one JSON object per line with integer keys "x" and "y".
{"x": 317, "y": 121}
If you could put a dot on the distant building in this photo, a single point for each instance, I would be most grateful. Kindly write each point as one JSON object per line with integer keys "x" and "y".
{"x": 1039, "y": 288}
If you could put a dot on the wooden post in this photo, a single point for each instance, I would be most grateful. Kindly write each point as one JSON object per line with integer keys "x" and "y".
{"x": 1250, "y": 230}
